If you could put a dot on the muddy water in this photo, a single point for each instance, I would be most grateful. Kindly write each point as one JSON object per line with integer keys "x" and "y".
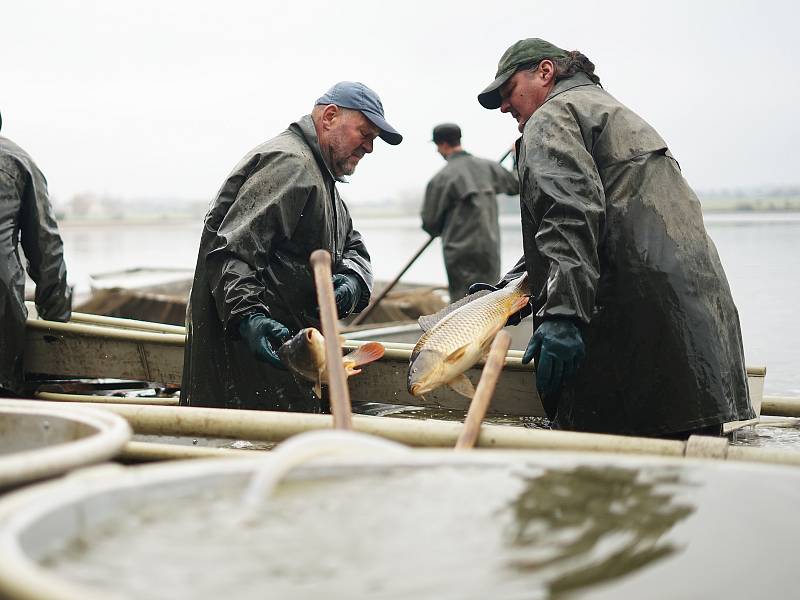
{"x": 635, "y": 529}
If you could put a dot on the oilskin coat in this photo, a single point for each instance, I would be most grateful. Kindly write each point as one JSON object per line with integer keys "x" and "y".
{"x": 614, "y": 239}
{"x": 27, "y": 217}
{"x": 278, "y": 205}
{"x": 461, "y": 206}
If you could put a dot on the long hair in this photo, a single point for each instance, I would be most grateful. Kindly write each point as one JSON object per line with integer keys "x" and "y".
{"x": 575, "y": 62}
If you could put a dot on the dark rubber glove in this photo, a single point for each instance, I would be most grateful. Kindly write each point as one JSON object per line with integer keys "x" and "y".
{"x": 561, "y": 350}
{"x": 513, "y": 319}
{"x": 263, "y": 336}
{"x": 346, "y": 292}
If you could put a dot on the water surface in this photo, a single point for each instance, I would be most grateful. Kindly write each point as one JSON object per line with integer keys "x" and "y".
{"x": 544, "y": 528}
{"x": 758, "y": 252}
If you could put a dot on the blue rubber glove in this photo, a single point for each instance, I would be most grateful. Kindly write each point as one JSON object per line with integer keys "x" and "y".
{"x": 513, "y": 319}
{"x": 561, "y": 350}
{"x": 263, "y": 336}
{"x": 346, "y": 292}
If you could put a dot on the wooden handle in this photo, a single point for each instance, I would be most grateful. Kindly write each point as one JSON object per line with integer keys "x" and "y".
{"x": 365, "y": 313}
{"x": 484, "y": 392}
{"x": 337, "y": 379}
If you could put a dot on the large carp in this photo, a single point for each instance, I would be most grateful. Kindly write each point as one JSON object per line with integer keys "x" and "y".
{"x": 304, "y": 354}
{"x": 459, "y": 336}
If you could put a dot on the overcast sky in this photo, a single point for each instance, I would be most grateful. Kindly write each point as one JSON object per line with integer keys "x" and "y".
{"x": 160, "y": 99}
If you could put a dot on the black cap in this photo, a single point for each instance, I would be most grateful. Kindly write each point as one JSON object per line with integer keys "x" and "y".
{"x": 449, "y": 133}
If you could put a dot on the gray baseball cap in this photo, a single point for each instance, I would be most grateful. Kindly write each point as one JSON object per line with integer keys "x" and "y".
{"x": 357, "y": 96}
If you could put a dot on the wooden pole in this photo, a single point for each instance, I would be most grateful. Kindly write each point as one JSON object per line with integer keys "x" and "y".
{"x": 365, "y": 313}
{"x": 483, "y": 395}
{"x": 337, "y": 379}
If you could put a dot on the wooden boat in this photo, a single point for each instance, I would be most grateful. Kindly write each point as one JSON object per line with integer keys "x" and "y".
{"x": 160, "y": 295}
{"x": 106, "y": 347}
{"x": 149, "y": 294}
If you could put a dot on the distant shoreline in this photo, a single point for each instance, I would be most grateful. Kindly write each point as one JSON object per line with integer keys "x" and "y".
{"x": 184, "y": 220}
{"x": 161, "y": 221}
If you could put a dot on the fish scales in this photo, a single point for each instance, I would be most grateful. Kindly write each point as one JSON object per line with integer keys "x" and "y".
{"x": 460, "y": 338}
{"x": 460, "y": 327}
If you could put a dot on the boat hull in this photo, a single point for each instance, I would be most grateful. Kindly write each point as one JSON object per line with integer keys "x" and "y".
{"x": 105, "y": 347}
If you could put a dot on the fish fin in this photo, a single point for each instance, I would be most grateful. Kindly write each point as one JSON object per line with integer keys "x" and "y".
{"x": 428, "y": 321}
{"x": 457, "y": 354}
{"x": 462, "y": 385}
{"x": 366, "y": 353}
{"x": 321, "y": 374}
{"x": 487, "y": 345}
{"x": 522, "y": 284}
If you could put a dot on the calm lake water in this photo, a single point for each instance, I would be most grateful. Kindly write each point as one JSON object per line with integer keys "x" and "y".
{"x": 758, "y": 250}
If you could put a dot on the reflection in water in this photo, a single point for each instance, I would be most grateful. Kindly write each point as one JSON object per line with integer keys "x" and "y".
{"x": 444, "y": 414}
{"x": 591, "y": 525}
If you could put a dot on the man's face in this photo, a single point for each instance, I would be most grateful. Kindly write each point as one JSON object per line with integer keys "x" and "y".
{"x": 524, "y": 93}
{"x": 350, "y": 138}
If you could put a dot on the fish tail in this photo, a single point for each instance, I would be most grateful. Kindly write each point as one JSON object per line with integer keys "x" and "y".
{"x": 365, "y": 354}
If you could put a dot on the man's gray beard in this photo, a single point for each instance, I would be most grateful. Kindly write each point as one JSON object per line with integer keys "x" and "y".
{"x": 344, "y": 169}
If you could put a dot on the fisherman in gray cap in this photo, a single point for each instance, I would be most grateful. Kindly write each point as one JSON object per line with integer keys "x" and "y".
{"x": 253, "y": 287}
{"x": 635, "y": 329}
{"x": 27, "y": 220}
{"x": 461, "y": 206}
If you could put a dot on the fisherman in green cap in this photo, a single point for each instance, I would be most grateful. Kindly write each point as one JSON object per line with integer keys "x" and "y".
{"x": 635, "y": 329}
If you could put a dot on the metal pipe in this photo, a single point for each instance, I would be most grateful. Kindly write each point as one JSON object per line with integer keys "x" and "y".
{"x": 120, "y": 323}
{"x": 136, "y": 400}
{"x": 114, "y": 333}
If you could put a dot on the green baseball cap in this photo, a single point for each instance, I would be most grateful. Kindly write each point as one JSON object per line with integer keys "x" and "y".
{"x": 530, "y": 50}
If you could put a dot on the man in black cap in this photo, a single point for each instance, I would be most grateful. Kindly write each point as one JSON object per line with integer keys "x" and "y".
{"x": 636, "y": 331}
{"x": 461, "y": 206}
{"x": 253, "y": 286}
{"x": 26, "y": 217}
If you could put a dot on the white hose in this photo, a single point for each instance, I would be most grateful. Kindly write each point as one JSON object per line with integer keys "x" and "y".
{"x": 307, "y": 446}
